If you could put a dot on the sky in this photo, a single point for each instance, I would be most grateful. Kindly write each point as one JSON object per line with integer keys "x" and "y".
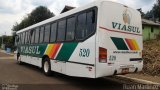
{"x": 12, "y": 11}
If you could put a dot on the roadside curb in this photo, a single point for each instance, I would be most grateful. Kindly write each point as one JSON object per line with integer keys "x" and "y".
{"x": 6, "y": 52}
{"x": 142, "y": 81}
{"x": 128, "y": 80}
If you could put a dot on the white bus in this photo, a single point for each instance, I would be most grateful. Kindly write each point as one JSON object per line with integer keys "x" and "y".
{"x": 100, "y": 39}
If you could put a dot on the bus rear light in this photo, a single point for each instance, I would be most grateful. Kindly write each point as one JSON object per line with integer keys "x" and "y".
{"x": 102, "y": 55}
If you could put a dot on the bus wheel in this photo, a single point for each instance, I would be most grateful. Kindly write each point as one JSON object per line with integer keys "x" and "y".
{"x": 47, "y": 67}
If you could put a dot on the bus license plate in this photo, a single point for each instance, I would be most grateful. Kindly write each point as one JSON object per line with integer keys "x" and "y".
{"x": 125, "y": 70}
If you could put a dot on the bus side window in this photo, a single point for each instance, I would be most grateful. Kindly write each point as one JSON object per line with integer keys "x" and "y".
{"x": 70, "y": 28}
{"x": 23, "y": 37}
{"x": 41, "y": 35}
{"x": 90, "y": 22}
{"x": 47, "y": 33}
{"x": 17, "y": 40}
{"x": 37, "y": 35}
{"x": 32, "y": 36}
{"x": 61, "y": 30}
{"x": 29, "y": 37}
{"x": 81, "y": 24}
{"x": 93, "y": 16}
{"x": 26, "y": 37}
{"x": 53, "y": 32}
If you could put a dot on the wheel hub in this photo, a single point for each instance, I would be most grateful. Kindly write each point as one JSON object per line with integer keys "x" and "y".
{"x": 46, "y": 66}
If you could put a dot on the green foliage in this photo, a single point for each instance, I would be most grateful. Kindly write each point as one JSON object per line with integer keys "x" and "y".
{"x": 155, "y": 12}
{"x": 37, "y": 15}
{"x": 149, "y": 14}
{"x": 8, "y": 41}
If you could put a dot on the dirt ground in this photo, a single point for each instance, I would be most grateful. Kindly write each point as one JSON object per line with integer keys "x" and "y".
{"x": 151, "y": 67}
{"x": 144, "y": 77}
{"x": 151, "y": 56}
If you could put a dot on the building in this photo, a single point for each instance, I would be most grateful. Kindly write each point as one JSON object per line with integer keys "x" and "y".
{"x": 151, "y": 30}
{"x": 67, "y": 8}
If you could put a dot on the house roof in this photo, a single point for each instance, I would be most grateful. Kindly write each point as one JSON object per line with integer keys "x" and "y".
{"x": 149, "y": 22}
{"x": 67, "y": 8}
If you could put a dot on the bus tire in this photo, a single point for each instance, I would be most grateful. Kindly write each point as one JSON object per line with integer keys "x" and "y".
{"x": 46, "y": 66}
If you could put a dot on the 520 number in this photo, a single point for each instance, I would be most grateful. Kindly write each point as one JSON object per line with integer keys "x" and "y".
{"x": 84, "y": 52}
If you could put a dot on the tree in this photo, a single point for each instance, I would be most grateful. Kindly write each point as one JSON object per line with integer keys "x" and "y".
{"x": 149, "y": 15}
{"x": 8, "y": 41}
{"x": 15, "y": 27}
{"x": 155, "y": 12}
{"x": 37, "y": 15}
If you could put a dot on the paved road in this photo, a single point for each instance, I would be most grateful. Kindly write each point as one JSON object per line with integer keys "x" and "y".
{"x": 28, "y": 77}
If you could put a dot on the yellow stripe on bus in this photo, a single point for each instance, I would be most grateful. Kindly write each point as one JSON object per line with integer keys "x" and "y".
{"x": 135, "y": 44}
{"x": 49, "y": 48}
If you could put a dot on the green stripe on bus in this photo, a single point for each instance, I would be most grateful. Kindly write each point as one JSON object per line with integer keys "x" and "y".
{"x": 66, "y": 51}
{"x": 32, "y": 50}
{"x": 119, "y": 43}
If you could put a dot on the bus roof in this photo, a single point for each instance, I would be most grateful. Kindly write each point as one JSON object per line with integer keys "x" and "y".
{"x": 75, "y": 10}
